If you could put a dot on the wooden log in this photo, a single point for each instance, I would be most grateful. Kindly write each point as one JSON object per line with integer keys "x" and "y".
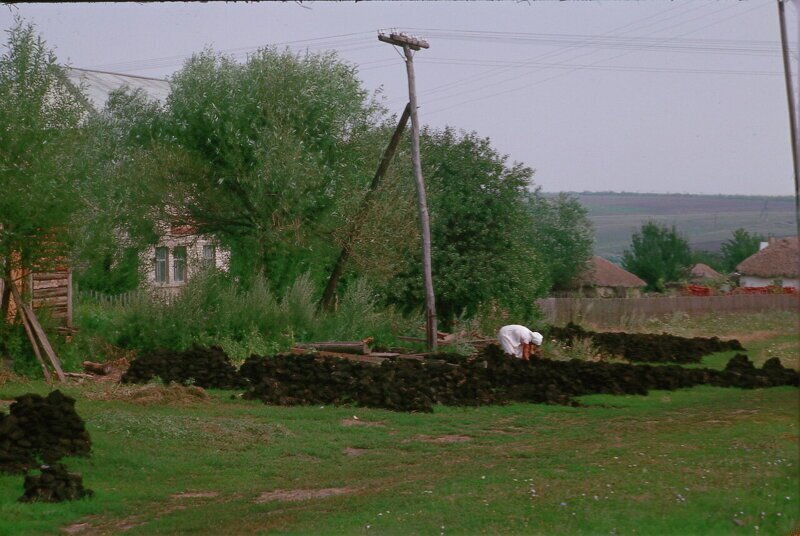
{"x": 46, "y": 276}
{"x": 100, "y": 369}
{"x": 51, "y": 292}
{"x": 50, "y": 302}
{"x": 346, "y": 347}
{"x": 39, "y": 284}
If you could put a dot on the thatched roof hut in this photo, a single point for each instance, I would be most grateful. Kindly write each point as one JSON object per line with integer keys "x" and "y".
{"x": 779, "y": 260}
{"x": 703, "y": 272}
{"x": 606, "y": 279}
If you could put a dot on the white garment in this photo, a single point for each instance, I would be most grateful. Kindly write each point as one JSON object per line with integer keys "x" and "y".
{"x": 514, "y": 336}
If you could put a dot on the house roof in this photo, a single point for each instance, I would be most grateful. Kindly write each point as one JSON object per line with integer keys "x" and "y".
{"x": 603, "y": 273}
{"x": 98, "y": 84}
{"x": 703, "y": 271}
{"x": 781, "y": 258}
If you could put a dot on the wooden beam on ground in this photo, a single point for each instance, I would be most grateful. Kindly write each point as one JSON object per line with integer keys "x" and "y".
{"x": 345, "y": 347}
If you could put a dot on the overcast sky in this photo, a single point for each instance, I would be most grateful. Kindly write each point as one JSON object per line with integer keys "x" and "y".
{"x": 657, "y": 96}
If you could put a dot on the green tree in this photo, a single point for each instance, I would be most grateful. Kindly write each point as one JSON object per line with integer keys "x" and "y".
{"x": 267, "y": 154}
{"x": 40, "y": 177}
{"x": 483, "y": 247}
{"x": 740, "y": 246}
{"x": 563, "y": 233}
{"x": 658, "y": 254}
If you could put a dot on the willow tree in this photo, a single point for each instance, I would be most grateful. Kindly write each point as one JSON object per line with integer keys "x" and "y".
{"x": 269, "y": 155}
{"x": 40, "y": 114}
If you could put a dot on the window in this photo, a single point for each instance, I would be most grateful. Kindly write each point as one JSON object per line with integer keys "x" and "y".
{"x": 209, "y": 256}
{"x": 179, "y": 264}
{"x": 161, "y": 265}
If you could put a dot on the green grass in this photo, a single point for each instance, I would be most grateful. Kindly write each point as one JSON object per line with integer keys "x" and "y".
{"x": 686, "y": 462}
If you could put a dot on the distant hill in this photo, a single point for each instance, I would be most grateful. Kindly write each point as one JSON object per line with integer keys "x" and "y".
{"x": 707, "y": 220}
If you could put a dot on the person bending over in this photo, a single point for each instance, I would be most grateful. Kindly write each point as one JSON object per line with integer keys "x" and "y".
{"x": 520, "y": 342}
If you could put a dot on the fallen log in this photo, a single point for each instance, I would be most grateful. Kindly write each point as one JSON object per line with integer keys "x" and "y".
{"x": 99, "y": 369}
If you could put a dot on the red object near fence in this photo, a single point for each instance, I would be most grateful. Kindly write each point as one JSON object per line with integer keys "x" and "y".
{"x": 698, "y": 290}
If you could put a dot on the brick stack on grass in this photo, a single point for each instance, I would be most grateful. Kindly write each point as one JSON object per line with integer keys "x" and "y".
{"x": 205, "y": 367}
{"x": 647, "y": 347}
{"x": 37, "y": 433}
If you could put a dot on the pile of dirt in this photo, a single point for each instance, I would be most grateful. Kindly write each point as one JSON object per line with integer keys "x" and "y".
{"x": 288, "y": 379}
{"x": 647, "y": 347}
{"x": 489, "y": 378}
{"x": 206, "y": 367}
{"x": 41, "y": 428}
{"x": 54, "y": 484}
{"x": 546, "y": 381}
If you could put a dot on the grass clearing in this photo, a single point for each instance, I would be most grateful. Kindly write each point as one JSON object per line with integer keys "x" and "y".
{"x": 698, "y": 461}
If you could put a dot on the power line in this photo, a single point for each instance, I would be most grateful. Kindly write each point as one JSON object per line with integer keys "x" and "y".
{"x": 499, "y": 70}
{"x": 164, "y": 61}
{"x": 526, "y": 86}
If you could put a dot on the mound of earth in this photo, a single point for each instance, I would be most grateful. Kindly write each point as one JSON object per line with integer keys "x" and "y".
{"x": 46, "y": 428}
{"x": 492, "y": 377}
{"x": 647, "y": 347}
{"x": 206, "y": 367}
{"x": 288, "y": 379}
{"x": 54, "y": 484}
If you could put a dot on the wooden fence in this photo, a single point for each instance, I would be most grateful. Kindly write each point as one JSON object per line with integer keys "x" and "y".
{"x": 626, "y": 311}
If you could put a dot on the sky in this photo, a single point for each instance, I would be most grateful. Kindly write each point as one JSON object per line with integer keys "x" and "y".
{"x": 657, "y": 97}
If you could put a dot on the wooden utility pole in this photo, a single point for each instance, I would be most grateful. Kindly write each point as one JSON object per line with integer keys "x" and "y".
{"x": 795, "y": 137}
{"x": 410, "y": 43}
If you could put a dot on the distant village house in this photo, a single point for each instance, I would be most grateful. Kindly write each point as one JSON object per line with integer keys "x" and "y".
{"x": 777, "y": 263}
{"x": 604, "y": 279}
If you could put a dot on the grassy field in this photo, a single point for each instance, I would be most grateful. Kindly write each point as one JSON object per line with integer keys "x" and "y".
{"x": 699, "y": 461}
{"x": 707, "y": 220}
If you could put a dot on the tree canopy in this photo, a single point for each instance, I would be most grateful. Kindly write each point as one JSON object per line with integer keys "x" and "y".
{"x": 483, "y": 250}
{"x": 40, "y": 113}
{"x": 658, "y": 254}
{"x": 563, "y": 235}
{"x": 740, "y": 246}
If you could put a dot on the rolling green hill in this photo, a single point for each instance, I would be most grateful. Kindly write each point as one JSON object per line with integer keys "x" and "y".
{"x": 707, "y": 220}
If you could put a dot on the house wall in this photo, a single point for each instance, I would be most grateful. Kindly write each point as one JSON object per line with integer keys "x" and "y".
{"x": 194, "y": 260}
{"x": 751, "y": 281}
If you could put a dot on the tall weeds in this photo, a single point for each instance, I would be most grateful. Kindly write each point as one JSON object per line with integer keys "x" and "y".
{"x": 212, "y": 309}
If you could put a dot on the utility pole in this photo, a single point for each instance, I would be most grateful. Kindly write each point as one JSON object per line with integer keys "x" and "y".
{"x": 793, "y": 120}
{"x": 410, "y": 43}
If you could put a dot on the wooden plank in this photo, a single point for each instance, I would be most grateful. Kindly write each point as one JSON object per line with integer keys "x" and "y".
{"x": 46, "y": 276}
{"x": 69, "y": 299}
{"x": 49, "y": 292}
{"x": 26, "y": 310}
{"x": 50, "y": 283}
{"x": 36, "y": 351}
{"x": 348, "y": 347}
{"x": 50, "y": 302}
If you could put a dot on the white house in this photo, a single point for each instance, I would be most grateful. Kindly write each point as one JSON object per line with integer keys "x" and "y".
{"x": 777, "y": 263}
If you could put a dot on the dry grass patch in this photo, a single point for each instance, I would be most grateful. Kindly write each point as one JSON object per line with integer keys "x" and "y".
{"x": 301, "y": 494}
{"x": 355, "y": 421}
{"x": 173, "y": 394}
